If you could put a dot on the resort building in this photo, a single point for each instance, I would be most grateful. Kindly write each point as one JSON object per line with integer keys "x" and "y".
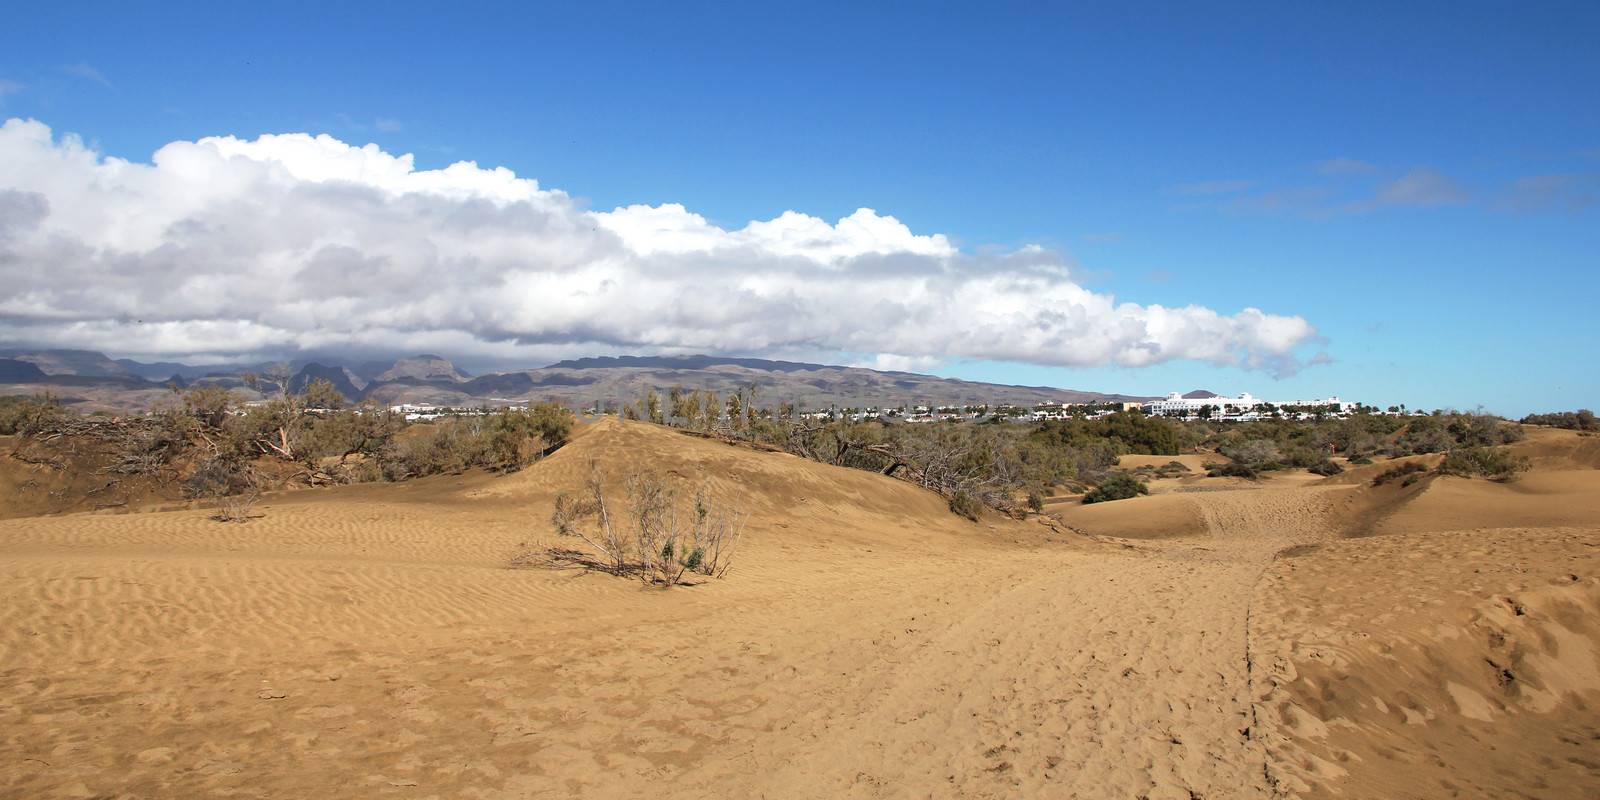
{"x": 1244, "y": 407}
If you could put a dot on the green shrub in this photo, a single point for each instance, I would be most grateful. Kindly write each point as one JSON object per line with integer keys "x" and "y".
{"x": 1035, "y": 501}
{"x": 1171, "y": 469}
{"x": 965, "y": 504}
{"x": 1231, "y": 471}
{"x": 1581, "y": 420}
{"x": 1303, "y": 457}
{"x": 1116, "y": 487}
{"x": 1257, "y": 454}
{"x": 1408, "y": 471}
{"x": 1494, "y": 463}
{"x": 1325, "y": 468}
{"x": 28, "y": 415}
{"x": 1444, "y": 432}
{"x": 1127, "y": 432}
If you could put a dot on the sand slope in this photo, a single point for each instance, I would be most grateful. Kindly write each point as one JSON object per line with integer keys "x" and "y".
{"x": 1474, "y": 673}
{"x": 372, "y": 642}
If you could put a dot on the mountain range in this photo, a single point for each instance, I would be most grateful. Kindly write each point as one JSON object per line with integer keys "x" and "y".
{"x": 94, "y": 380}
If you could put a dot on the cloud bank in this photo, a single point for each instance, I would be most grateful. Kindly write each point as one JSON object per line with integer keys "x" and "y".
{"x": 228, "y": 248}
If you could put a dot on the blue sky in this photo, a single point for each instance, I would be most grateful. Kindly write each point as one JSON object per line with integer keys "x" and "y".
{"x": 1420, "y": 182}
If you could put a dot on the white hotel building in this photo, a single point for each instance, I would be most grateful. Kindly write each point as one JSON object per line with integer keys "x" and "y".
{"x": 1243, "y": 407}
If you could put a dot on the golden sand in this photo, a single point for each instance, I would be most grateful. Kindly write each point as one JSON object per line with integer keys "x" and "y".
{"x": 372, "y": 641}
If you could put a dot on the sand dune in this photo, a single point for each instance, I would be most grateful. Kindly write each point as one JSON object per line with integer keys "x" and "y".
{"x": 1156, "y": 517}
{"x": 1195, "y": 462}
{"x": 372, "y": 641}
{"x": 1472, "y": 673}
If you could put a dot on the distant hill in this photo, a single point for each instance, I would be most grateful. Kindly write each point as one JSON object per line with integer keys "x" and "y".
{"x": 1200, "y": 394}
{"x": 19, "y": 371}
{"x": 338, "y": 376}
{"x": 71, "y": 362}
{"x": 422, "y": 367}
{"x": 161, "y": 370}
{"x": 588, "y": 381}
{"x": 91, "y": 363}
{"x": 683, "y": 362}
{"x": 95, "y": 380}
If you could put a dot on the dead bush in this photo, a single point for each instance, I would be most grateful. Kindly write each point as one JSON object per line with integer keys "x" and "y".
{"x": 657, "y": 535}
{"x": 717, "y": 531}
{"x": 230, "y": 484}
{"x": 237, "y": 507}
{"x": 587, "y": 518}
{"x": 661, "y": 545}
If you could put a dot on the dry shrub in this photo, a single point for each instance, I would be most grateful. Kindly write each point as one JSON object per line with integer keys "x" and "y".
{"x": 667, "y": 546}
{"x": 662, "y": 545}
{"x": 29, "y": 415}
{"x": 1409, "y": 471}
{"x": 718, "y": 530}
{"x": 1035, "y": 501}
{"x": 587, "y": 518}
{"x": 1494, "y": 463}
{"x": 963, "y": 503}
{"x": 655, "y": 529}
{"x": 231, "y": 484}
{"x": 237, "y": 507}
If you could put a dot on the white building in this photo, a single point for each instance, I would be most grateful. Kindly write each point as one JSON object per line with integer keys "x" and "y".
{"x": 415, "y": 412}
{"x": 1176, "y": 405}
{"x": 1243, "y": 407}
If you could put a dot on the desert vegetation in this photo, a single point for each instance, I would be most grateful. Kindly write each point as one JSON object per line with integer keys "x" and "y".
{"x": 1581, "y": 420}
{"x": 1494, "y": 463}
{"x": 1012, "y": 467}
{"x": 661, "y": 540}
{"x": 1171, "y": 469}
{"x": 1303, "y": 444}
{"x": 1117, "y": 487}
{"x": 315, "y": 437}
{"x": 1407, "y": 473}
{"x": 23, "y": 416}
{"x": 216, "y": 449}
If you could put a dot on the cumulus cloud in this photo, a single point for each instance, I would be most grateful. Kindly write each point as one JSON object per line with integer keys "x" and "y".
{"x": 294, "y": 243}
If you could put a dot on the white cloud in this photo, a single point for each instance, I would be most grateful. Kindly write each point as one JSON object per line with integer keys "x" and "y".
{"x": 295, "y": 242}
{"x": 1422, "y": 187}
{"x": 890, "y": 362}
{"x": 86, "y": 72}
{"x": 671, "y": 228}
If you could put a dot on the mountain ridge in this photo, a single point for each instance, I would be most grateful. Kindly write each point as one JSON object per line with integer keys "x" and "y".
{"x": 604, "y": 381}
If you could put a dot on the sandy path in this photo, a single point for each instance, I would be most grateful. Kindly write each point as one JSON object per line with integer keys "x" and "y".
{"x": 1106, "y": 674}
